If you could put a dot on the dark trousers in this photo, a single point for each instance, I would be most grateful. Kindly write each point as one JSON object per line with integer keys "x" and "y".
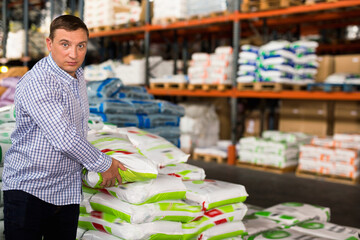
{"x": 28, "y": 217}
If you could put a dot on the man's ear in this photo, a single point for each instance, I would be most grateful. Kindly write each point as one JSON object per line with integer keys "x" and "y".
{"x": 49, "y": 44}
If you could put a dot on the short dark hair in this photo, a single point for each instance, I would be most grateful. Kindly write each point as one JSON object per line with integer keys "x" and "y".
{"x": 68, "y": 23}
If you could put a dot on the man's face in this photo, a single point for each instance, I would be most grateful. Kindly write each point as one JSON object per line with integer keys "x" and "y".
{"x": 68, "y": 49}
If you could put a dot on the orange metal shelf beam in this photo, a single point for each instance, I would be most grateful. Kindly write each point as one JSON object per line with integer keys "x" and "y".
{"x": 298, "y": 9}
{"x": 309, "y": 95}
{"x": 192, "y": 93}
{"x": 236, "y": 16}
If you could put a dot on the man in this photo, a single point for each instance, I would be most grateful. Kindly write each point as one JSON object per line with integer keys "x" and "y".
{"x": 42, "y": 169}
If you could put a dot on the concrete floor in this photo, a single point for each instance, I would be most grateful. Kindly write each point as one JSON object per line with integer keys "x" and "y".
{"x": 266, "y": 189}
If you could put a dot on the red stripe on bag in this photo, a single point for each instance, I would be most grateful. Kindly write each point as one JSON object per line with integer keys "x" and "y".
{"x": 99, "y": 227}
{"x": 220, "y": 221}
{"x": 175, "y": 175}
{"x": 213, "y": 213}
{"x": 109, "y": 150}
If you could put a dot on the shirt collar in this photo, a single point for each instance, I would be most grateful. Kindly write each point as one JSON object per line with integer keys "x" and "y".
{"x": 64, "y": 75}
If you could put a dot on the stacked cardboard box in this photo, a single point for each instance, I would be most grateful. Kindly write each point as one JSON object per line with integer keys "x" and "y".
{"x": 309, "y": 117}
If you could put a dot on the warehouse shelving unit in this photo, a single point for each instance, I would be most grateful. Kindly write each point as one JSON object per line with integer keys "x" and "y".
{"x": 314, "y": 14}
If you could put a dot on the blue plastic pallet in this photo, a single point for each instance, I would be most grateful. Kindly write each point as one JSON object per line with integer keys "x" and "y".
{"x": 329, "y": 87}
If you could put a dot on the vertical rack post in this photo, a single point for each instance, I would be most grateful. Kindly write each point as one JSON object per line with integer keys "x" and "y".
{"x": 81, "y": 9}
{"x": 184, "y": 55}
{"x": 147, "y": 42}
{"x": 26, "y": 29}
{"x": 175, "y": 51}
{"x": 52, "y": 9}
{"x": 4, "y": 21}
{"x": 72, "y": 6}
{"x": 236, "y": 38}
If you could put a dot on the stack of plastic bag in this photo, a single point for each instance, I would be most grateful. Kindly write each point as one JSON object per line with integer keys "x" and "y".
{"x": 200, "y": 127}
{"x": 170, "y": 9}
{"x": 276, "y": 62}
{"x": 206, "y": 7}
{"x": 178, "y": 204}
{"x": 305, "y": 60}
{"x": 7, "y": 126}
{"x": 335, "y": 156}
{"x": 277, "y": 149}
{"x": 112, "y": 102}
{"x": 211, "y": 68}
{"x": 248, "y": 70}
{"x": 294, "y": 220}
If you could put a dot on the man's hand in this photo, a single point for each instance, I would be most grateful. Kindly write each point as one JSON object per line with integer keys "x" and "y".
{"x": 110, "y": 175}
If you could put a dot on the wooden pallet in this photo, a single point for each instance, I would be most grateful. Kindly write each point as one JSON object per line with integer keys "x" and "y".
{"x": 265, "y": 167}
{"x": 210, "y": 15}
{"x": 101, "y": 28}
{"x": 270, "y": 86}
{"x": 209, "y": 158}
{"x": 207, "y": 87}
{"x": 168, "y": 85}
{"x": 311, "y": 2}
{"x": 330, "y": 178}
{"x": 331, "y": 87}
{"x": 128, "y": 25}
{"x": 262, "y": 5}
{"x": 166, "y": 20}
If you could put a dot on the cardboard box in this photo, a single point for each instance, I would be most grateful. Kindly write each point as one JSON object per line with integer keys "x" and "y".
{"x": 347, "y": 126}
{"x": 313, "y": 126}
{"x": 143, "y": 11}
{"x": 252, "y": 125}
{"x": 326, "y": 67}
{"x": 303, "y": 108}
{"x": 347, "y": 63}
{"x": 347, "y": 110}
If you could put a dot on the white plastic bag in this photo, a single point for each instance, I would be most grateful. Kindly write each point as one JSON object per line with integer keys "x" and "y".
{"x": 213, "y": 193}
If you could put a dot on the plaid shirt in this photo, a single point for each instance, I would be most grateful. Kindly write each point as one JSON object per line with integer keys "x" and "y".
{"x": 49, "y": 146}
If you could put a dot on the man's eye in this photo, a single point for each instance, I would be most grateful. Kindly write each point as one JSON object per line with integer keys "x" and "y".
{"x": 65, "y": 45}
{"x": 81, "y": 45}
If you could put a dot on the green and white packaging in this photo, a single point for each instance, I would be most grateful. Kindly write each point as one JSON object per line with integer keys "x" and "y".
{"x": 291, "y": 213}
{"x": 118, "y": 146}
{"x": 79, "y": 233}
{"x": 214, "y": 193}
{"x": 2, "y": 236}
{"x": 254, "y": 224}
{"x": 184, "y": 171}
{"x": 156, "y": 148}
{"x": 97, "y": 235}
{"x": 162, "y": 188}
{"x": 220, "y": 215}
{"x": 252, "y": 209}
{"x": 227, "y": 230}
{"x": 285, "y": 234}
{"x": 162, "y": 230}
{"x": 85, "y": 206}
{"x": 327, "y": 230}
{"x": 7, "y": 114}
{"x": 170, "y": 210}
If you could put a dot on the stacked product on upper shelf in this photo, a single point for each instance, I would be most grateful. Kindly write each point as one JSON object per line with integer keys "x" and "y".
{"x": 109, "y": 13}
{"x": 212, "y": 68}
{"x": 278, "y": 61}
{"x": 169, "y": 11}
{"x": 274, "y": 149}
{"x": 336, "y": 156}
